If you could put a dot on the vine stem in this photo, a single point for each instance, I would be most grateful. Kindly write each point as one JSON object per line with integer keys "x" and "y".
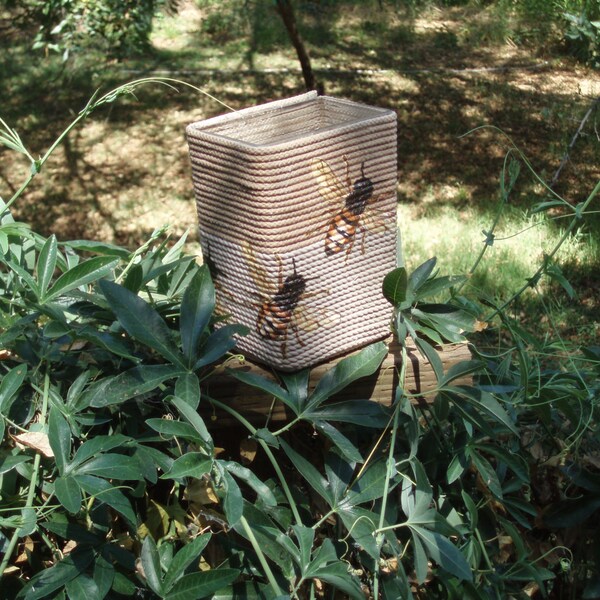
{"x": 391, "y": 467}
{"x": 261, "y": 557}
{"x": 532, "y": 280}
{"x": 32, "y": 484}
{"x": 267, "y": 451}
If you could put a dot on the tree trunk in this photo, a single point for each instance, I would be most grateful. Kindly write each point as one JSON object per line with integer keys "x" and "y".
{"x": 289, "y": 20}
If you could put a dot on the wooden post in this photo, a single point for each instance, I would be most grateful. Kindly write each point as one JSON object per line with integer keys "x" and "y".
{"x": 257, "y": 406}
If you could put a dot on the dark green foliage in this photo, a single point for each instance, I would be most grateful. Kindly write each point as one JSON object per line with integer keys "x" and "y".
{"x": 119, "y": 482}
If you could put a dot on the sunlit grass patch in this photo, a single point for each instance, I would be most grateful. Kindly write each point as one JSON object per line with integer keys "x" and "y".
{"x": 457, "y": 236}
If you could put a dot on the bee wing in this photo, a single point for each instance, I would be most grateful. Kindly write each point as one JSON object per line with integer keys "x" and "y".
{"x": 330, "y": 187}
{"x": 310, "y": 319}
{"x": 376, "y": 220}
{"x": 256, "y": 270}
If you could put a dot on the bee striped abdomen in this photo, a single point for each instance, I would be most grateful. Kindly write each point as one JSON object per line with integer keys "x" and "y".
{"x": 341, "y": 231}
{"x": 273, "y": 321}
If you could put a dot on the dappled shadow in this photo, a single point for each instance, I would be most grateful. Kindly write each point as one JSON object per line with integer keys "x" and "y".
{"x": 427, "y": 76}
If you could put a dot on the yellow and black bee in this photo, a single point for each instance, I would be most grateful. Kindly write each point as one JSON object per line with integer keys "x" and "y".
{"x": 282, "y": 307}
{"x": 353, "y": 217}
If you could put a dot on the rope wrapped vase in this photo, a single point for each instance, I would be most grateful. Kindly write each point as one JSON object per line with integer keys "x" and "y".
{"x": 297, "y": 219}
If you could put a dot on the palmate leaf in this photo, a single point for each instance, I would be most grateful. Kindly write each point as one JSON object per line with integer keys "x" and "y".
{"x": 142, "y": 322}
{"x": 191, "y": 464}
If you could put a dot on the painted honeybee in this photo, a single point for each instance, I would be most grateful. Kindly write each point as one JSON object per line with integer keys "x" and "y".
{"x": 282, "y": 309}
{"x": 353, "y": 217}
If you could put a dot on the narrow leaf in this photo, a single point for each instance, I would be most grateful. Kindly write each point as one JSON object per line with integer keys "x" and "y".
{"x": 10, "y": 384}
{"x": 68, "y": 493}
{"x": 189, "y": 554}
{"x": 444, "y": 553}
{"x": 59, "y": 437}
{"x": 46, "y": 265}
{"x": 308, "y": 471}
{"x": 197, "y": 306}
{"x": 191, "y": 464}
{"x": 151, "y": 565}
{"x": 201, "y": 585}
{"x": 82, "y": 274}
{"x": 141, "y": 321}
{"x": 349, "y": 369}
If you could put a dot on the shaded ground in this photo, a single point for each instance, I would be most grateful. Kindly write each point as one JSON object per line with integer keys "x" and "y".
{"x": 445, "y": 73}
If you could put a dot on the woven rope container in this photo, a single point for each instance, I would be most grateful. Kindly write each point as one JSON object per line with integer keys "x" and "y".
{"x": 297, "y": 218}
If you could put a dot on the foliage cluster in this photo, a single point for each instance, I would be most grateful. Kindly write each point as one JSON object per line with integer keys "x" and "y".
{"x": 123, "y": 27}
{"x": 113, "y": 484}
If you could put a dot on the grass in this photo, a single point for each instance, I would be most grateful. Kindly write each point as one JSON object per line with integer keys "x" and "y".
{"x": 126, "y": 171}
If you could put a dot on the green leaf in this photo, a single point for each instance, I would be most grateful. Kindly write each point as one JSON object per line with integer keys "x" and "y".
{"x": 108, "y": 341}
{"x": 266, "y": 385}
{"x": 151, "y": 565}
{"x": 233, "y": 503}
{"x": 487, "y": 472}
{"x": 344, "y": 445}
{"x": 194, "y": 419}
{"x": 11, "y": 383}
{"x": 68, "y": 493}
{"x": 97, "y": 445}
{"x": 170, "y": 429}
{"x": 421, "y": 274}
{"x": 461, "y": 369}
{"x": 554, "y": 272}
{"x": 339, "y": 473}
{"x": 371, "y": 484}
{"x": 8, "y": 463}
{"x": 337, "y": 575}
{"x": 199, "y": 585}
{"x": 46, "y": 265}
{"x": 142, "y": 322}
{"x": 83, "y": 587}
{"x": 437, "y": 285}
{"x": 395, "y": 286}
{"x": 55, "y": 577}
{"x": 106, "y": 492}
{"x": 187, "y": 387}
{"x": 364, "y": 413}
{"x": 59, "y": 436}
{"x": 218, "y": 344}
{"x": 99, "y": 248}
{"x": 191, "y": 464}
{"x": 486, "y": 404}
{"x": 129, "y": 384}
{"x": 349, "y": 369}
{"x": 262, "y": 490}
{"x": 197, "y": 306}
{"x": 104, "y": 575}
{"x": 82, "y": 274}
{"x": 444, "y": 553}
{"x": 112, "y": 466}
{"x": 431, "y": 354}
{"x": 456, "y": 468}
{"x": 308, "y": 471}
{"x": 184, "y": 558}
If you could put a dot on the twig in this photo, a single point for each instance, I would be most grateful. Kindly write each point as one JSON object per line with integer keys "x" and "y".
{"x": 565, "y": 158}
